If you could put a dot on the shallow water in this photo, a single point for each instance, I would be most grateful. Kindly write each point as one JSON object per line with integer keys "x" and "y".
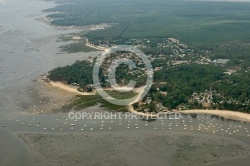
{"x": 25, "y": 43}
{"x": 28, "y": 49}
{"x": 13, "y": 151}
{"x": 63, "y": 123}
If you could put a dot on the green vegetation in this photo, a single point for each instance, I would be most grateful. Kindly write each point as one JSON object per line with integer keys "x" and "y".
{"x": 76, "y": 47}
{"x": 183, "y": 83}
{"x": 199, "y": 50}
{"x": 88, "y": 101}
{"x": 185, "y": 86}
{"x": 80, "y": 72}
{"x": 157, "y": 50}
{"x": 219, "y": 27}
{"x": 186, "y": 20}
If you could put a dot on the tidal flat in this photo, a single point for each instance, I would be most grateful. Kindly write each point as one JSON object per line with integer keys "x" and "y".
{"x": 29, "y": 48}
{"x": 135, "y": 148}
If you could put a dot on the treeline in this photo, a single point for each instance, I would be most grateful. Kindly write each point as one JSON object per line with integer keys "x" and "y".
{"x": 80, "y": 72}
{"x": 197, "y": 26}
{"x": 157, "y": 50}
{"x": 184, "y": 80}
{"x": 230, "y": 92}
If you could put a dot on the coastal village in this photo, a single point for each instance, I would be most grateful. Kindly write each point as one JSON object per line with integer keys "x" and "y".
{"x": 176, "y": 53}
{"x": 197, "y": 111}
{"x": 161, "y": 52}
{"x": 181, "y": 54}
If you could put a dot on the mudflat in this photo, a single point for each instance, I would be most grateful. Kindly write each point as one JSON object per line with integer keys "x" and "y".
{"x": 131, "y": 148}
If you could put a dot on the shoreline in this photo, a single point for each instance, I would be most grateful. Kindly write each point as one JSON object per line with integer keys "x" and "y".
{"x": 69, "y": 88}
{"x": 95, "y": 47}
{"x": 234, "y": 115}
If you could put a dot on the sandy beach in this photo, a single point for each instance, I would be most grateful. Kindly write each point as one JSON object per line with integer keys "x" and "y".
{"x": 29, "y": 48}
{"x": 72, "y": 89}
{"x": 223, "y": 113}
{"x": 35, "y": 129}
{"x": 244, "y": 117}
{"x": 234, "y": 115}
{"x": 95, "y": 47}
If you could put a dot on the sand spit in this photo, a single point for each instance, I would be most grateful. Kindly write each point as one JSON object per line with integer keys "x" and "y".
{"x": 95, "y": 47}
{"x": 69, "y": 88}
{"x": 223, "y": 113}
{"x": 244, "y": 117}
{"x": 234, "y": 115}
